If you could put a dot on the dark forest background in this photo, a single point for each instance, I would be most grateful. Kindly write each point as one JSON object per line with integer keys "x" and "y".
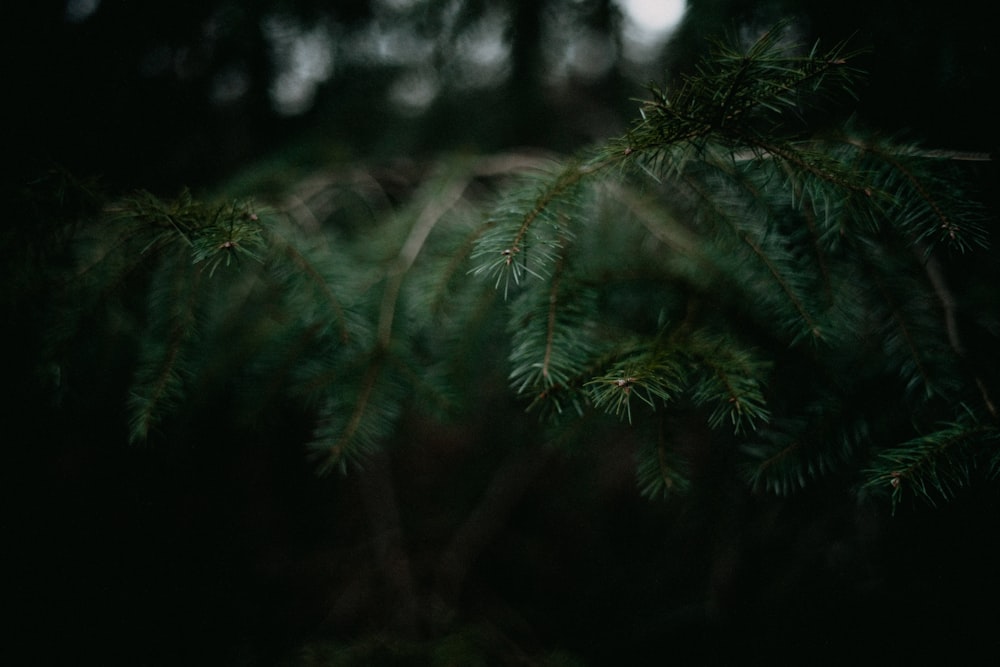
{"x": 229, "y": 550}
{"x": 159, "y": 95}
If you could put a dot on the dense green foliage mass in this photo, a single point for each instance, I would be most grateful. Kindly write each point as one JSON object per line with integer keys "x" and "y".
{"x": 743, "y": 273}
{"x": 722, "y": 258}
{"x": 795, "y": 288}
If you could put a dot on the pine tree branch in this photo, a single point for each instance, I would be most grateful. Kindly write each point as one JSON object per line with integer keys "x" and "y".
{"x": 321, "y": 284}
{"x": 504, "y": 244}
{"x": 935, "y": 465}
{"x": 660, "y": 473}
{"x": 904, "y": 329}
{"x": 361, "y": 405}
{"x": 833, "y": 174}
{"x": 811, "y": 326}
{"x": 949, "y": 305}
{"x": 159, "y": 385}
{"x": 429, "y": 217}
{"x": 550, "y": 327}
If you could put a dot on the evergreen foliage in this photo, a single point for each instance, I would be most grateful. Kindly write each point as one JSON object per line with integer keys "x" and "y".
{"x": 792, "y": 281}
{"x": 740, "y": 255}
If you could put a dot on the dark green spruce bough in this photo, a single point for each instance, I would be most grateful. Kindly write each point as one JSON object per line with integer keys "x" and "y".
{"x": 792, "y": 288}
{"x": 796, "y": 293}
